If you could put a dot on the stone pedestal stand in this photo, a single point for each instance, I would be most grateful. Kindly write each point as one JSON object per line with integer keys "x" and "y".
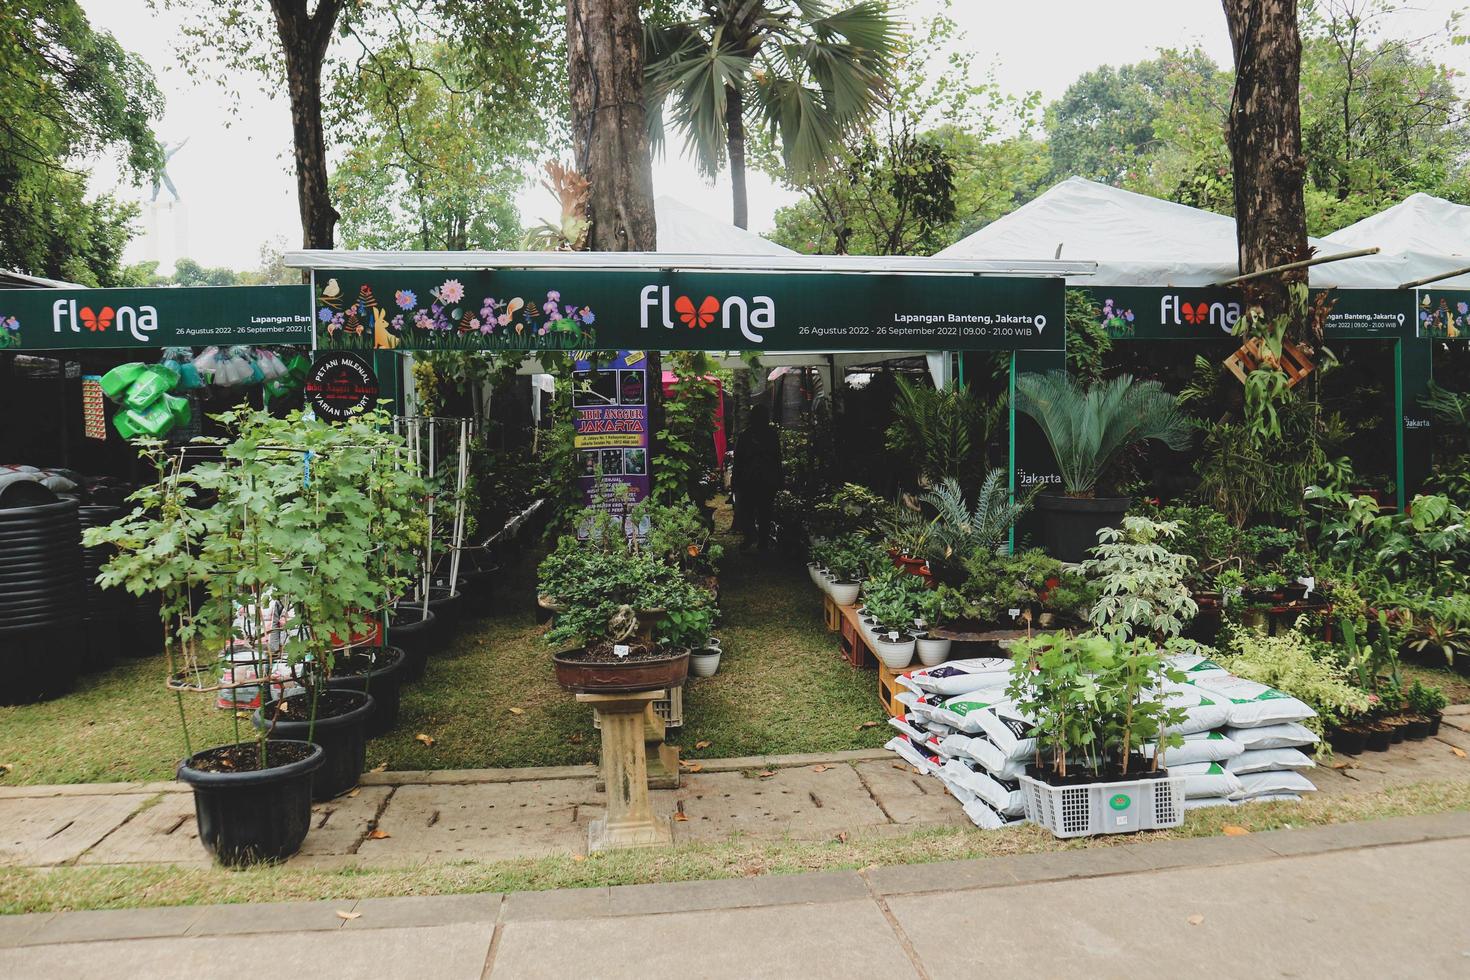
{"x": 630, "y": 821}
{"x": 663, "y": 758}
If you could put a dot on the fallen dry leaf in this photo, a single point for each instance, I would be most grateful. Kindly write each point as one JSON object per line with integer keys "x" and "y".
{"x": 1195, "y": 919}
{"x": 869, "y": 724}
{"x": 842, "y": 837}
{"x": 1458, "y": 751}
{"x": 575, "y": 739}
{"x": 242, "y": 714}
{"x": 428, "y": 740}
{"x": 702, "y": 744}
{"x": 349, "y": 916}
{"x": 379, "y": 834}
{"x": 681, "y": 816}
{"x": 517, "y": 711}
{"x": 1231, "y": 830}
{"x": 579, "y": 857}
{"x": 688, "y": 766}
{"x": 766, "y": 773}
{"x": 820, "y": 768}
{"x": 354, "y": 793}
{"x": 380, "y": 767}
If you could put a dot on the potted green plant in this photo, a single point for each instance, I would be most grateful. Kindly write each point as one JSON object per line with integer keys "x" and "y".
{"x": 1087, "y": 426}
{"x": 893, "y": 599}
{"x": 688, "y": 628}
{"x": 1427, "y": 702}
{"x": 849, "y": 561}
{"x": 1092, "y": 703}
{"x": 1140, "y": 580}
{"x": 939, "y": 609}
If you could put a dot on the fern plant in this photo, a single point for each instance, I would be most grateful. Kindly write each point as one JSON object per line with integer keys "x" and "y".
{"x": 1087, "y": 426}
{"x": 940, "y": 434}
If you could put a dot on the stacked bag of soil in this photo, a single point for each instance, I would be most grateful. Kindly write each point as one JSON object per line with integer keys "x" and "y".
{"x": 1242, "y": 740}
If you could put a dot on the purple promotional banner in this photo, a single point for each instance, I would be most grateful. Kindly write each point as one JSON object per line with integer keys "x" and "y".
{"x": 612, "y": 430}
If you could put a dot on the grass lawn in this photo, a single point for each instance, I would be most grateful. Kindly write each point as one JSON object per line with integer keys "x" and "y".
{"x": 63, "y": 889}
{"x": 781, "y": 688}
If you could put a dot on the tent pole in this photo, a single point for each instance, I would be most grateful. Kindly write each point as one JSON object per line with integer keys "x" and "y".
{"x": 1304, "y": 263}
{"x": 1011, "y": 436}
{"x": 1398, "y": 418}
{"x": 1435, "y": 278}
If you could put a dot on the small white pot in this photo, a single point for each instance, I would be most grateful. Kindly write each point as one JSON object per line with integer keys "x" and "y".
{"x": 712, "y": 643}
{"x": 815, "y": 572}
{"x": 932, "y": 652}
{"x": 845, "y": 593}
{"x": 896, "y": 650}
{"x": 704, "y": 663}
{"x": 824, "y": 582}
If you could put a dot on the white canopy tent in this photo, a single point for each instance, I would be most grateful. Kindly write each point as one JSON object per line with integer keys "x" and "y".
{"x": 1138, "y": 240}
{"x": 1419, "y": 223}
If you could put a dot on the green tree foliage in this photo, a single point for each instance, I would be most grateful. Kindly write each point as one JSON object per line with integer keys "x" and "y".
{"x": 941, "y": 159}
{"x": 67, "y": 93}
{"x": 1381, "y": 119}
{"x": 808, "y": 70}
{"x": 442, "y": 166}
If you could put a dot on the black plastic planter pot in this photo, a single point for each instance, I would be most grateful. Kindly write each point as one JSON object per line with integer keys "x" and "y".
{"x": 254, "y": 816}
{"x": 340, "y": 730}
{"x": 383, "y": 680}
{"x": 446, "y": 607}
{"x": 416, "y": 633}
{"x": 1348, "y": 741}
{"x": 1069, "y": 525}
{"x": 39, "y": 661}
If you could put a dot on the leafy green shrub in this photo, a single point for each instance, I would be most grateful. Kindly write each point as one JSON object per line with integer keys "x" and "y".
{"x": 1141, "y": 580}
{"x": 1426, "y": 700}
{"x": 1295, "y": 664}
{"x": 894, "y": 597}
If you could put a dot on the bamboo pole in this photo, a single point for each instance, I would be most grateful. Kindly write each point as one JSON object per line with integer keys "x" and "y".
{"x": 1302, "y": 264}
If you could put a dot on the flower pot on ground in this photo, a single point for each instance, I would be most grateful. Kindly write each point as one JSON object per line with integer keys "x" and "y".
{"x": 1428, "y": 702}
{"x": 247, "y": 813}
{"x": 416, "y": 633}
{"x": 379, "y": 671}
{"x": 1380, "y": 736}
{"x": 1086, "y": 428}
{"x": 340, "y": 728}
{"x": 704, "y": 661}
{"x": 447, "y": 606}
{"x": 1348, "y": 739}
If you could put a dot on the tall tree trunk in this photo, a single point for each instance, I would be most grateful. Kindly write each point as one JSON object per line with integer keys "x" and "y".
{"x": 609, "y": 134}
{"x": 735, "y": 146}
{"x": 304, "y": 39}
{"x": 1265, "y": 136}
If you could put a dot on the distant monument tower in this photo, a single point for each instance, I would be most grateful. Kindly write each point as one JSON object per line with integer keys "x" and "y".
{"x": 165, "y": 223}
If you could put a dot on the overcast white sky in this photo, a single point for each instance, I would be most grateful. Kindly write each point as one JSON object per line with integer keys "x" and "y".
{"x": 239, "y": 191}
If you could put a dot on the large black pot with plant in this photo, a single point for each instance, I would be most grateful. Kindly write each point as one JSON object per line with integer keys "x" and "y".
{"x": 1086, "y": 428}
{"x": 415, "y": 631}
{"x": 378, "y": 671}
{"x": 339, "y": 727}
{"x": 250, "y": 809}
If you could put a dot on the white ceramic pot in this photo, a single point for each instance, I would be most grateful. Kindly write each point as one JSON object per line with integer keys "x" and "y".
{"x": 895, "y": 649}
{"x": 704, "y": 663}
{"x": 815, "y": 572}
{"x": 845, "y": 593}
{"x": 824, "y": 582}
{"x": 932, "y": 652}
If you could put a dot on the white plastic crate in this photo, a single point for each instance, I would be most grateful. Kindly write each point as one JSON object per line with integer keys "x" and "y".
{"x": 670, "y": 709}
{"x": 1105, "y": 808}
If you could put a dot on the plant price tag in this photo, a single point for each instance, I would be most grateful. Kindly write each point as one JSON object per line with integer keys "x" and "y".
{"x": 621, "y": 650}
{"x": 1015, "y": 613}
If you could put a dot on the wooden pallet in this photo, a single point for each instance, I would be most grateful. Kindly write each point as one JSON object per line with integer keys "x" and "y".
{"x": 888, "y": 687}
{"x": 852, "y": 644}
{"x": 831, "y": 614}
{"x": 1253, "y": 355}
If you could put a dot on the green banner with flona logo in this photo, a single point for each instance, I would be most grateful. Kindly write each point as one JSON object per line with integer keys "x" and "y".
{"x": 1210, "y": 312}
{"x": 167, "y": 316}
{"x": 608, "y": 310}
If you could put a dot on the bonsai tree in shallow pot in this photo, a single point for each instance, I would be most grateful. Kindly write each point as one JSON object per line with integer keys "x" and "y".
{"x": 1087, "y": 427}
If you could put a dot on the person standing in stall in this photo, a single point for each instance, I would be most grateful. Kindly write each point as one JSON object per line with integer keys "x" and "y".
{"x": 757, "y": 478}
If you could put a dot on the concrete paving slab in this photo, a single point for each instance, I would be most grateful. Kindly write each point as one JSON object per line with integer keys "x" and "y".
{"x": 86, "y": 927}
{"x": 831, "y": 886}
{"x": 483, "y": 821}
{"x": 424, "y": 910}
{"x": 799, "y": 803}
{"x": 16, "y": 930}
{"x": 908, "y": 798}
{"x": 337, "y": 826}
{"x": 904, "y": 879}
{"x": 269, "y": 917}
{"x": 682, "y": 896}
{"x": 54, "y": 830}
{"x": 1376, "y": 912}
{"x": 165, "y": 833}
{"x": 1368, "y": 833}
{"x": 841, "y": 939}
{"x": 449, "y": 952}
{"x": 570, "y": 903}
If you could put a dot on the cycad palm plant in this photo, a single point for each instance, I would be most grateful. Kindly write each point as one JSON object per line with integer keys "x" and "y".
{"x": 1087, "y": 426}
{"x": 960, "y": 530}
{"x": 940, "y": 433}
{"x": 809, "y": 70}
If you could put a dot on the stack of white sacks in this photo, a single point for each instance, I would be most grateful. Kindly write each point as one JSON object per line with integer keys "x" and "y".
{"x": 1242, "y": 740}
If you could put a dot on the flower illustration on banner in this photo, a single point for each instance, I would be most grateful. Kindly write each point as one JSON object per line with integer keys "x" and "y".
{"x": 1117, "y": 321}
{"x": 325, "y": 314}
{"x": 451, "y": 292}
{"x": 9, "y": 331}
{"x": 405, "y": 299}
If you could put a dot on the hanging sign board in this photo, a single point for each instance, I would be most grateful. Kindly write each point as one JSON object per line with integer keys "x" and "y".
{"x": 162, "y": 316}
{"x": 94, "y": 408}
{"x": 1210, "y": 312}
{"x": 611, "y": 441}
{"x": 340, "y": 385}
{"x": 1443, "y": 314}
{"x": 518, "y": 310}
